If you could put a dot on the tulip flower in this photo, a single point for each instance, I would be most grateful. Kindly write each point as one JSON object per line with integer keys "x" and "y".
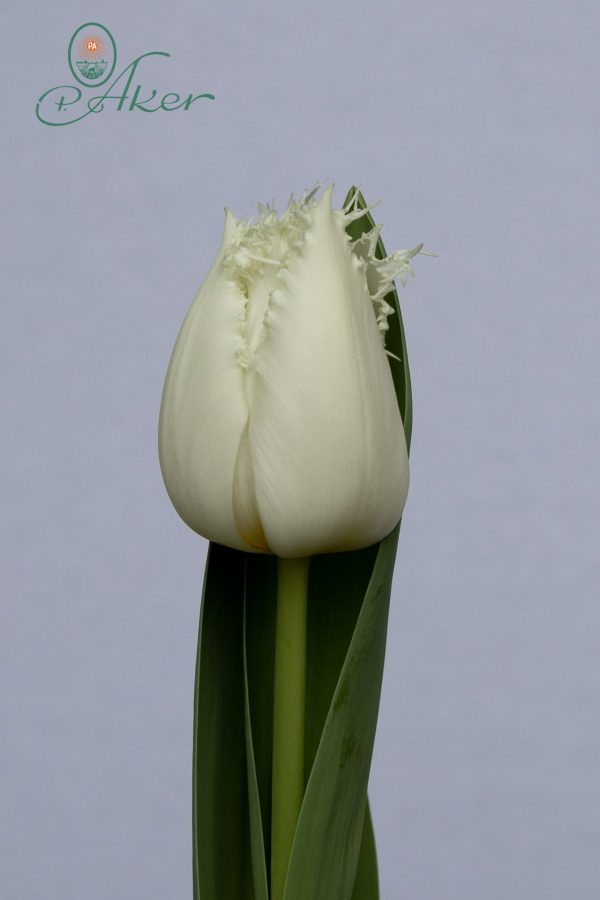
{"x": 281, "y": 436}
{"x": 279, "y": 430}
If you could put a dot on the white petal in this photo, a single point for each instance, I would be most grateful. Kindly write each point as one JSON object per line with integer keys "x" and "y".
{"x": 245, "y": 509}
{"x": 204, "y": 411}
{"x": 326, "y": 438}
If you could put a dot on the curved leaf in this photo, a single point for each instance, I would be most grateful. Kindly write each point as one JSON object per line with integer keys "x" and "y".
{"x": 366, "y": 886}
{"x": 326, "y": 848}
{"x": 221, "y": 859}
{"x": 257, "y": 842}
{"x": 259, "y": 654}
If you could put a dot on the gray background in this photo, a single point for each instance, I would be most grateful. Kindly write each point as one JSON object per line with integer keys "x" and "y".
{"x": 476, "y": 124}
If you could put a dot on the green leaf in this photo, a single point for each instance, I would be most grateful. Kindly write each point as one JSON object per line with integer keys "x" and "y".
{"x": 259, "y": 651}
{"x": 221, "y": 854}
{"x": 328, "y": 838}
{"x": 366, "y": 886}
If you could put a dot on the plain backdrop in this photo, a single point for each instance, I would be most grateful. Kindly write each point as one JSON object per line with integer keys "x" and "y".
{"x": 476, "y": 125}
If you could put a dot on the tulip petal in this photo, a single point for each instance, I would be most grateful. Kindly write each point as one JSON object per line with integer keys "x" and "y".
{"x": 326, "y": 439}
{"x": 204, "y": 410}
{"x": 245, "y": 509}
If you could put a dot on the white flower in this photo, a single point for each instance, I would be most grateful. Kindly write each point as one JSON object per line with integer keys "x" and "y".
{"x": 279, "y": 427}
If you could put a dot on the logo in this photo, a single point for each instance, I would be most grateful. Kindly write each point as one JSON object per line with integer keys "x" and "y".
{"x": 92, "y": 58}
{"x": 92, "y": 54}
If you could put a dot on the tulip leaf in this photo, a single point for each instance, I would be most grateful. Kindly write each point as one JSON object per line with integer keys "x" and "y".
{"x": 221, "y": 858}
{"x": 328, "y": 838}
{"x": 366, "y": 886}
{"x": 257, "y": 838}
{"x": 259, "y": 655}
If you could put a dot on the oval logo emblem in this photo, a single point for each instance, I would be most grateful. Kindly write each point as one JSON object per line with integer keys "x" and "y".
{"x": 92, "y": 54}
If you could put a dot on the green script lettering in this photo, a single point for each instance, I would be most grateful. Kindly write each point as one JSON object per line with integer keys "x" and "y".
{"x": 60, "y": 104}
{"x": 167, "y": 104}
{"x": 134, "y": 101}
{"x": 190, "y": 99}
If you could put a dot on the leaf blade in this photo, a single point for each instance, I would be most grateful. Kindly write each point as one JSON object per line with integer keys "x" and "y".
{"x": 221, "y": 861}
{"x": 366, "y": 886}
{"x": 328, "y": 838}
{"x": 257, "y": 841}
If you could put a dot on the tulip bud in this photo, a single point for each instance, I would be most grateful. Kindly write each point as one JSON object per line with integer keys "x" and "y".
{"x": 279, "y": 426}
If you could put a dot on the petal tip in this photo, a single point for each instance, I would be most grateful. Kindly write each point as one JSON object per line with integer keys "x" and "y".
{"x": 327, "y": 196}
{"x": 229, "y": 226}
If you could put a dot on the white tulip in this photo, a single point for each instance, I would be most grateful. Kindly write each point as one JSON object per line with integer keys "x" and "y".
{"x": 279, "y": 426}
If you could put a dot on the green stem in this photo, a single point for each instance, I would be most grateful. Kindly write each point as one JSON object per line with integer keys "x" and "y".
{"x": 288, "y": 715}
